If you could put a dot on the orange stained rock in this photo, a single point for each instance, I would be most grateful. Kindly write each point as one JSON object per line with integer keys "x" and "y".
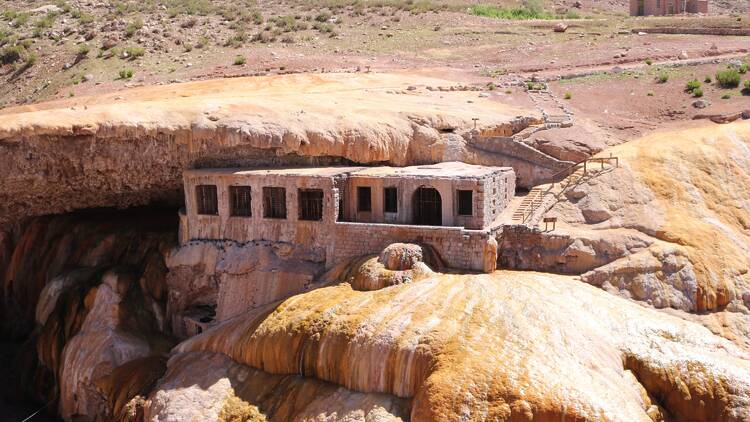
{"x": 507, "y": 346}
{"x": 700, "y": 178}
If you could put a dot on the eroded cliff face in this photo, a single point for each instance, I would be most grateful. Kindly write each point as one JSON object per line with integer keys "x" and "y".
{"x": 83, "y": 294}
{"x": 129, "y": 148}
{"x": 507, "y": 345}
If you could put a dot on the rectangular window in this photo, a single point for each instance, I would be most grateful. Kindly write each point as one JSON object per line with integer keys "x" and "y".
{"x": 206, "y": 199}
{"x": 364, "y": 200}
{"x": 390, "y": 200}
{"x": 240, "y": 201}
{"x": 465, "y": 202}
{"x": 310, "y": 204}
{"x": 274, "y": 202}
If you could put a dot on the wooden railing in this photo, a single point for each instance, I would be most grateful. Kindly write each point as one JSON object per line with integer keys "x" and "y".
{"x": 565, "y": 181}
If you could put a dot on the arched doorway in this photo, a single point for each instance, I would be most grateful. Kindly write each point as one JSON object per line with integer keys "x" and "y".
{"x": 428, "y": 207}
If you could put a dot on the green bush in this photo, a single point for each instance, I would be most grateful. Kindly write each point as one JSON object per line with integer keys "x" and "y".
{"x": 697, "y": 92}
{"x": 47, "y": 21}
{"x": 135, "y": 52}
{"x": 726, "y": 96}
{"x": 83, "y": 50}
{"x": 239, "y": 60}
{"x": 11, "y": 53}
{"x": 662, "y": 77}
{"x": 323, "y": 17}
{"x": 649, "y": 62}
{"x": 743, "y": 68}
{"x": 729, "y": 78}
{"x": 746, "y": 89}
{"x": 529, "y": 10}
{"x": 133, "y": 27}
{"x": 126, "y": 73}
{"x": 568, "y": 95}
{"x": 707, "y": 79}
{"x": 692, "y": 85}
{"x": 650, "y": 94}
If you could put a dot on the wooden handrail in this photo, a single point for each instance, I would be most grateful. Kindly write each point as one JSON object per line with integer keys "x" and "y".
{"x": 568, "y": 171}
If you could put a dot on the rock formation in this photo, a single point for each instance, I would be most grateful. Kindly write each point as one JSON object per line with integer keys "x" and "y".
{"x": 510, "y": 346}
{"x": 129, "y": 148}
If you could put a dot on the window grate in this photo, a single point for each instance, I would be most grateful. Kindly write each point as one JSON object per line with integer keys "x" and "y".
{"x": 241, "y": 201}
{"x": 364, "y": 199}
{"x": 310, "y": 204}
{"x": 206, "y": 199}
{"x": 274, "y": 202}
{"x": 465, "y": 202}
{"x": 390, "y": 200}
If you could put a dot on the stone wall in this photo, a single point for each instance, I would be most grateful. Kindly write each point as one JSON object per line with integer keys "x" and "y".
{"x": 457, "y": 247}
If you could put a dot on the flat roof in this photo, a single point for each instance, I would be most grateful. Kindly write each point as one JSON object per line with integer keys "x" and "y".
{"x": 450, "y": 169}
{"x": 285, "y": 171}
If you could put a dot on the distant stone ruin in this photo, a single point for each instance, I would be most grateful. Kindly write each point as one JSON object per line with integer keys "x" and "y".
{"x": 667, "y": 7}
{"x": 344, "y": 212}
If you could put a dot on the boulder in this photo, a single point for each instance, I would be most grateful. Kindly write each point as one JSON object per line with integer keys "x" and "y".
{"x": 560, "y": 27}
{"x": 401, "y": 256}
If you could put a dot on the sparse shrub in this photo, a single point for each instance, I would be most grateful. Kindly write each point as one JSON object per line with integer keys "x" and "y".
{"x": 530, "y": 9}
{"x": 264, "y": 37}
{"x": 572, "y": 14}
{"x": 288, "y": 39}
{"x": 649, "y": 62}
{"x": 237, "y": 39}
{"x": 285, "y": 23}
{"x": 239, "y": 60}
{"x": 126, "y": 73}
{"x": 743, "y": 68}
{"x": 568, "y": 95}
{"x": 691, "y": 86}
{"x": 47, "y": 21}
{"x": 323, "y": 27}
{"x": 30, "y": 60}
{"x": 11, "y": 53}
{"x": 729, "y": 78}
{"x": 83, "y": 50}
{"x": 491, "y": 86}
{"x": 202, "y": 42}
{"x": 707, "y": 79}
{"x": 726, "y": 96}
{"x": 650, "y": 94}
{"x": 697, "y": 92}
{"x": 133, "y": 27}
{"x": 135, "y": 52}
{"x": 20, "y": 19}
{"x": 662, "y": 77}
{"x": 746, "y": 89}
{"x": 323, "y": 16}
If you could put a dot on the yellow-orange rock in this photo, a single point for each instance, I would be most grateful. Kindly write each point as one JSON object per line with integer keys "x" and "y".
{"x": 503, "y": 346}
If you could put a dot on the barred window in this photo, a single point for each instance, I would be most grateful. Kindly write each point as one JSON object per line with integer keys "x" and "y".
{"x": 310, "y": 204}
{"x": 240, "y": 200}
{"x": 206, "y": 199}
{"x": 364, "y": 199}
{"x": 390, "y": 200}
{"x": 465, "y": 202}
{"x": 274, "y": 202}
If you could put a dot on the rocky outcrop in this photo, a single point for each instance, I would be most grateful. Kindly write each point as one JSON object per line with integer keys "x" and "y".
{"x": 213, "y": 281}
{"x": 211, "y": 387}
{"x": 129, "y": 148}
{"x": 82, "y": 294}
{"x": 509, "y": 345}
{"x": 684, "y": 196}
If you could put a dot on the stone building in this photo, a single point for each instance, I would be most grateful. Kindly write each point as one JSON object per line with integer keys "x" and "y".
{"x": 343, "y": 212}
{"x": 667, "y": 7}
